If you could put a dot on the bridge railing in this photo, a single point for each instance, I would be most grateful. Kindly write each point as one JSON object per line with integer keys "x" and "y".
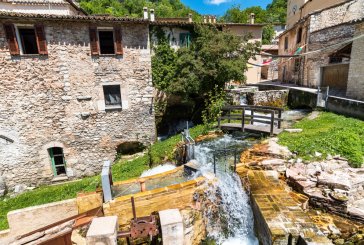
{"x": 273, "y": 118}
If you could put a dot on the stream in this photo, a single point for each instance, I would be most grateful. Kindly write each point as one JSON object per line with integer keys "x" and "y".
{"x": 229, "y": 217}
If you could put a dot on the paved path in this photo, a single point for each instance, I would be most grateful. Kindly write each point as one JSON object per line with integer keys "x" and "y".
{"x": 280, "y": 213}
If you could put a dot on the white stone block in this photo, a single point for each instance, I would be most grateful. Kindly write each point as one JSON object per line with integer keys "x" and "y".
{"x": 172, "y": 227}
{"x": 103, "y": 231}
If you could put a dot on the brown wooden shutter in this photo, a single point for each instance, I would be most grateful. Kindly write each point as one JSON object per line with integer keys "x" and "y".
{"x": 94, "y": 42}
{"x": 11, "y": 38}
{"x": 118, "y": 41}
{"x": 41, "y": 39}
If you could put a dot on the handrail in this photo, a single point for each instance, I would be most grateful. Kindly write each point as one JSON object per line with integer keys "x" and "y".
{"x": 272, "y": 119}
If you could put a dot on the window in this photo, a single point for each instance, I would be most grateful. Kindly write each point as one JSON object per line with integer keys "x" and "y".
{"x": 112, "y": 96}
{"x": 106, "y": 39}
{"x": 58, "y": 162}
{"x": 299, "y": 35}
{"x": 285, "y": 43}
{"x": 26, "y": 39}
{"x": 185, "y": 39}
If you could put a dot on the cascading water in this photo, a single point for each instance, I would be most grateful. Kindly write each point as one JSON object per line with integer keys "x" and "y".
{"x": 228, "y": 213}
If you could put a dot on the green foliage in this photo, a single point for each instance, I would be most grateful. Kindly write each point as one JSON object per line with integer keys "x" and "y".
{"x": 122, "y": 170}
{"x": 134, "y": 8}
{"x": 213, "y": 58}
{"x": 214, "y": 103}
{"x": 328, "y": 134}
{"x": 268, "y": 34}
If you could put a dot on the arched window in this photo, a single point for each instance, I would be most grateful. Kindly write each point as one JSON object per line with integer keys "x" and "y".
{"x": 58, "y": 162}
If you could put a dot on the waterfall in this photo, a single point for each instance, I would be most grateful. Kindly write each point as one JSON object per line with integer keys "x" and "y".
{"x": 228, "y": 213}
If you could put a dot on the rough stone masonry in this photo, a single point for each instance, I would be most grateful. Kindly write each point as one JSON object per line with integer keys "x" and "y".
{"x": 57, "y": 100}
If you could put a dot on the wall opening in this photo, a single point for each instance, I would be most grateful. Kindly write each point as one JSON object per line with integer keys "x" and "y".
{"x": 58, "y": 161}
{"x": 129, "y": 148}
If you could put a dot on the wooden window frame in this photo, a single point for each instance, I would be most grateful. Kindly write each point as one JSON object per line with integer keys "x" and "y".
{"x": 37, "y": 36}
{"x": 95, "y": 40}
{"x": 51, "y": 155}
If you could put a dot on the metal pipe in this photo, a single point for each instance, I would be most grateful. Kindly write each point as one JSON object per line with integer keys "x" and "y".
{"x": 214, "y": 164}
{"x": 133, "y": 207}
{"x": 235, "y": 160}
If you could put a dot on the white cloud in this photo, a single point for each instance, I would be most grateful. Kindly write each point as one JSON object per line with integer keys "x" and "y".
{"x": 216, "y": 2}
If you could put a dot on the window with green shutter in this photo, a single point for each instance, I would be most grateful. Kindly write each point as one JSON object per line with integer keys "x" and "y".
{"x": 58, "y": 162}
{"x": 185, "y": 39}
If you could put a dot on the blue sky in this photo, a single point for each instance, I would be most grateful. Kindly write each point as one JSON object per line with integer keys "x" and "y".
{"x": 218, "y": 7}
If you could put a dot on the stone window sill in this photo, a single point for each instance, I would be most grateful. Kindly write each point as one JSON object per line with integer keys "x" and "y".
{"x": 59, "y": 178}
{"x": 113, "y": 108}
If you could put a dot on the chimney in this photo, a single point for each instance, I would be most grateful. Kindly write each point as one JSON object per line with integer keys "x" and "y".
{"x": 252, "y": 18}
{"x": 210, "y": 18}
{"x": 152, "y": 17}
{"x": 204, "y": 19}
{"x": 145, "y": 13}
{"x": 190, "y": 18}
{"x": 214, "y": 19}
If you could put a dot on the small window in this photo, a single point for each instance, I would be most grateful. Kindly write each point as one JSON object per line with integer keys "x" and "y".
{"x": 28, "y": 40}
{"x": 106, "y": 39}
{"x": 299, "y": 35}
{"x": 58, "y": 162}
{"x": 185, "y": 39}
{"x": 285, "y": 43}
{"x": 112, "y": 96}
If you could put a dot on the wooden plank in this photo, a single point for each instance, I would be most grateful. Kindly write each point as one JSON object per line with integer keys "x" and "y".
{"x": 251, "y": 128}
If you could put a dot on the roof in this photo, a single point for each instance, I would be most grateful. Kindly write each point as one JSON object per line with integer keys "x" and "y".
{"x": 87, "y": 18}
{"x": 107, "y": 18}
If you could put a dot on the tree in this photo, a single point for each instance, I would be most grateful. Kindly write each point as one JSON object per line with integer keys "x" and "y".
{"x": 268, "y": 34}
{"x": 214, "y": 58}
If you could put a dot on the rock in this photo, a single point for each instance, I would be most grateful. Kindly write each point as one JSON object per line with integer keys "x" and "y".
{"x": 329, "y": 157}
{"x": 293, "y": 130}
{"x": 2, "y": 186}
{"x": 318, "y": 154}
{"x": 299, "y": 160}
{"x": 334, "y": 230}
{"x": 339, "y": 241}
{"x": 20, "y": 188}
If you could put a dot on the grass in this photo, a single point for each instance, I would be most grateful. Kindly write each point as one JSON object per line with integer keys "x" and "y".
{"x": 122, "y": 170}
{"x": 329, "y": 133}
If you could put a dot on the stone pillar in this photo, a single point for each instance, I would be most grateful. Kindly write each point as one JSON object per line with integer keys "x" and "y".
{"x": 152, "y": 16}
{"x": 103, "y": 231}
{"x": 172, "y": 227}
{"x": 145, "y": 13}
{"x": 105, "y": 181}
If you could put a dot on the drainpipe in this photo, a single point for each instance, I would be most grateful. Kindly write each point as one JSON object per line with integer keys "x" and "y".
{"x": 152, "y": 17}
{"x": 145, "y": 12}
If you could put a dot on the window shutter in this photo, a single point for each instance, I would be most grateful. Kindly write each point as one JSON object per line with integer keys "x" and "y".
{"x": 118, "y": 41}
{"x": 94, "y": 42}
{"x": 41, "y": 39}
{"x": 11, "y": 38}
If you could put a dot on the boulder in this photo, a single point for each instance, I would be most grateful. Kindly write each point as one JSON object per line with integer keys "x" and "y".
{"x": 293, "y": 130}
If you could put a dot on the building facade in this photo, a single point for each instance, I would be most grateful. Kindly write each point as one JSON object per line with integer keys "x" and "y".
{"x": 56, "y": 7}
{"x": 73, "y": 88}
{"x": 326, "y": 38}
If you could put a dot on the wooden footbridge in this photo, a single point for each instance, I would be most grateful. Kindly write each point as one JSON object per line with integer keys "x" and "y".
{"x": 267, "y": 119}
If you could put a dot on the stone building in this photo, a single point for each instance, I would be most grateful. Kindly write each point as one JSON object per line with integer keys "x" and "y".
{"x": 72, "y": 89}
{"x": 326, "y": 37}
{"x": 57, "y": 7}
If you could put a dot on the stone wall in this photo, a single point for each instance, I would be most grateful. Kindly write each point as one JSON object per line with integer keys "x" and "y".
{"x": 276, "y": 98}
{"x": 356, "y": 72}
{"x": 57, "y": 101}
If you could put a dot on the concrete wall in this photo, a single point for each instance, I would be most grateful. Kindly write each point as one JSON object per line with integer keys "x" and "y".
{"x": 347, "y": 107}
{"x": 178, "y": 196}
{"x": 356, "y": 72}
{"x": 57, "y": 101}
